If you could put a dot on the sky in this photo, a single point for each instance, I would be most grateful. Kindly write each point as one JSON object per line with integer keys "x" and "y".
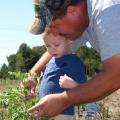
{"x": 15, "y": 19}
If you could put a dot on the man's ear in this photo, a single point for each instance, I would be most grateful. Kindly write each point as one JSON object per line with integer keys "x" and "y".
{"x": 71, "y": 10}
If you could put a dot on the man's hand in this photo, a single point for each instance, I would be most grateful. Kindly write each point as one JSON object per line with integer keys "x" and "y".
{"x": 50, "y": 105}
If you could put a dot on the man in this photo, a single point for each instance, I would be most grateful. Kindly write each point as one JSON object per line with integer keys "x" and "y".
{"x": 96, "y": 21}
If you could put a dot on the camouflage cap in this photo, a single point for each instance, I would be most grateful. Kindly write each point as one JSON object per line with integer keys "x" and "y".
{"x": 45, "y": 10}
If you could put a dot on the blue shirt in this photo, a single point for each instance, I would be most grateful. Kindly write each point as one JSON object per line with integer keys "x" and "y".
{"x": 68, "y": 64}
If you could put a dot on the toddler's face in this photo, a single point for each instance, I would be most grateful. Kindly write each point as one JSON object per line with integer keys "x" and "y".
{"x": 57, "y": 46}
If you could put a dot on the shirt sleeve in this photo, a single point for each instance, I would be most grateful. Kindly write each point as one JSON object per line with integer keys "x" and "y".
{"x": 108, "y": 22}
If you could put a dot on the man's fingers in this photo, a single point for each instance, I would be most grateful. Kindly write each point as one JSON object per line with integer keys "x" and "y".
{"x": 37, "y": 114}
{"x": 36, "y": 107}
{"x": 37, "y": 111}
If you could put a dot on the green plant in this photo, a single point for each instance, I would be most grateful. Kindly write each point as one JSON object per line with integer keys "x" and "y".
{"x": 17, "y": 75}
{"x": 14, "y": 107}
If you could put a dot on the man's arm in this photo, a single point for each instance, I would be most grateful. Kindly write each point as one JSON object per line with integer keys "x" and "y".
{"x": 103, "y": 84}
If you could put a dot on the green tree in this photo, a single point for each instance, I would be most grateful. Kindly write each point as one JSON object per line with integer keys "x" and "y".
{"x": 20, "y": 63}
{"x": 91, "y": 59}
{"x": 37, "y": 52}
{"x": 26, "y": 57}
{"x": 4, "y": 71}
{"x": 11, "y": 62}
{"x": 23, "y": 58}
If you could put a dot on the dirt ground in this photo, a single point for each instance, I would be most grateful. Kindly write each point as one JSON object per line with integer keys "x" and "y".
{"x": 112, "y": 104}
{"x": 109, "y": 108}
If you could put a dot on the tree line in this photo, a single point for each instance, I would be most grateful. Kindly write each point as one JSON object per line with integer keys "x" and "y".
{"x": 26, "y": 57}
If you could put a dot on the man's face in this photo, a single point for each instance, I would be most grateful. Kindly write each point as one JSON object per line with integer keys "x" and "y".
{"x": 71, "y": 25}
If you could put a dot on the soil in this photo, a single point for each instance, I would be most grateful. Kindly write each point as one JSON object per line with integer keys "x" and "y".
{"x": 109, "y": 108}
{"x": 112, "y": 106}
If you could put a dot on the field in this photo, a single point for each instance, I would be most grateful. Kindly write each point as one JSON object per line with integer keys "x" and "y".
{"x": 6, "y": 85}
{"x": 12, "y": 105}
{"x": 109, "y": 110}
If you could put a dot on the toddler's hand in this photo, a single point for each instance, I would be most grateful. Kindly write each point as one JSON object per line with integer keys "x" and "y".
{"x": 67, "y": 82}
{"x": 28, "y": 89}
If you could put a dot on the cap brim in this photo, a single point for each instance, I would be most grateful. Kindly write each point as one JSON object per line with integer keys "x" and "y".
{"x": 42, "y": 19}
{"x": 36, "y": 27}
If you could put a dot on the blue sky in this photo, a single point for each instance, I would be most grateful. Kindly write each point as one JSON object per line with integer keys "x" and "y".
{"x": 15, "y": 19}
